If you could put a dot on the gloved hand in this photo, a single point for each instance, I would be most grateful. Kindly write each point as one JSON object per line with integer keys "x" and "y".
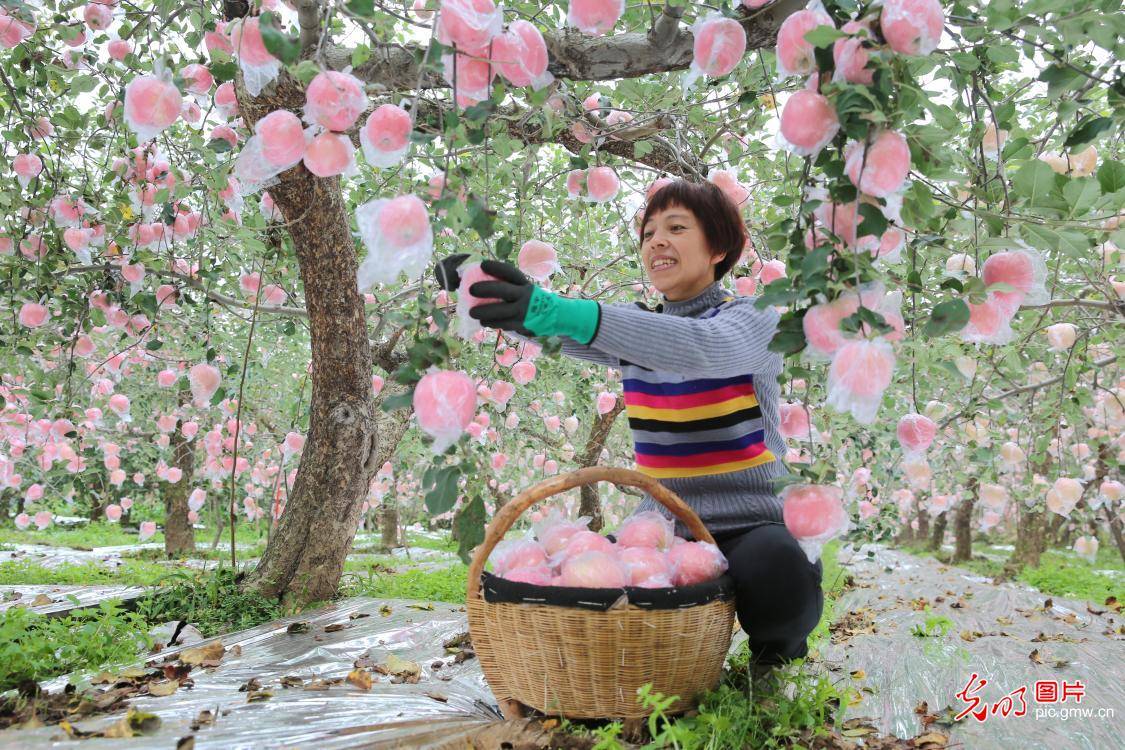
{"x": 525, "y": 307}
{"x": 445, "y": 271}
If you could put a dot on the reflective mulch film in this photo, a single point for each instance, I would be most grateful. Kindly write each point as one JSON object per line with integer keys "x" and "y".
{"x": 58, "y": 600}
{"x": 915, "y": 631}
{"x": 449, "y": 700}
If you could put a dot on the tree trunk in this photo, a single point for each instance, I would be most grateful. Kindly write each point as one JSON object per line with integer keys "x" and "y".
{"x": 590, "y": 504}
{"x": 1115, "y": 529}
{"x": 305, "y": 557}
{"x": 392, "y": 426}
{"x": 388, "y": 523}
{"x": 179, "y": 536}
{"x": 938, "y": 534}
{"x": 923, "y": 525}
{"x": 963, "y": 525}
{"x": 1029, "y": 538}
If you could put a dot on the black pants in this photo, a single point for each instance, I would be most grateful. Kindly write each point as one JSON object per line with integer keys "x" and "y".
{"x": 778, "y": 594}
{"x": 779, "y": 598}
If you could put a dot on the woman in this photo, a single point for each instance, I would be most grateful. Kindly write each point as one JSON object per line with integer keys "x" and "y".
{"x": 701, "y": 395}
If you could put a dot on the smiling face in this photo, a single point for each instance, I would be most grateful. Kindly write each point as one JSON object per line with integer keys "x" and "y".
{"x": 675, "y": 253}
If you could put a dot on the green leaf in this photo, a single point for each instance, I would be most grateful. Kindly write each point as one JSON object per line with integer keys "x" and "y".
{"x": 1074, "y": 243}
{"x": 641, "y": 149}
{"x": 154, "y": 345}
{"x": 873, "y": 223}
{"x": 361, "y": 54}
{"x": 1034, "y": 181}
{"x": 1088, "y": 128}
{"x": 400, "y": 401}
{"x": 1081, "y": 193}
{"x": 306, "y": 70}
{"x": 219, "y": 145}
{"x": 948, "y": 316}
{"x": 469, "y": 523}
{"x": 966, "y": 61}
{"x": 1060, "y": 79}
{"x": 361, "y": 8}
{"x": 224, "y": 71}
{"x": 1040, "y": 237}
{"x": 822, "y": 36}
{"x": 280, "y": 45}
{"x": 1111, "y": 176}
{"x": 504, "y": 247}
{"x": 443, "y": 496}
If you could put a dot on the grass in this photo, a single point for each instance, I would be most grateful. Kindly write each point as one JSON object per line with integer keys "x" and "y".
{"x": 414, "y": 539}
{"x": 212, "y": 601}
{"x": 441, "y": 585}
{"x": 87, "y": 536}
{"x": 105, "y": 534}
{"x": 202, "y": 552}
{"x": 1060, "y": 572}
{"x": 1065, "y": 574}
{"x": 129, "y": 573}
{"x": 34, "y": 647}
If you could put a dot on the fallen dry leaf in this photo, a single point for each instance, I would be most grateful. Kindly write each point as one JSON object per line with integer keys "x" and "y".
{"x": 257, "y": 696}
{"x": 361, "y": 678}
{"x": 292, "y": 680}
{"x": 335, "y": 627}
{"x": 250, "y": 685}
{"x": 440, "y": 697}
{"x": 205, "y": 719}
{"x": 396, "y": 666}
{"x": 186, "y": 743}
{"x": 208, "y": 652}
{"x": 297, "y": 628}
{"x": 161, "y": 689}
{"x": 858, "y": 674}
{"x": 385, "y": 610}
{"x": 931, "y": 741}
{"x": 42, "y": 600}
{"x": 1035, "y": 657}
{"x": 131, "y": 724}
{"x": 423, "y": 607}
{"x": 1112, "y": 603}
{"x": 357, "y": 615}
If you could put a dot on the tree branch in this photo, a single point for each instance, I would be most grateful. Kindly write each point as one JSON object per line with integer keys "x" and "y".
{"x": 576, "y": 56}
{"x": 308, "y": 18}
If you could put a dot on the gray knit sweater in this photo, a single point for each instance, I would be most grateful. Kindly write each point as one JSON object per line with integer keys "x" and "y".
{"x": 701, "y": 395}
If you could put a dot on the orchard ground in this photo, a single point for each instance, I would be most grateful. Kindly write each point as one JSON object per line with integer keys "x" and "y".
{"x": 819, "y": 702}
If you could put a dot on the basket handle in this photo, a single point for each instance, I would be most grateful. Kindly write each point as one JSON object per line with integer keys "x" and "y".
{"x": 507, "y": 516}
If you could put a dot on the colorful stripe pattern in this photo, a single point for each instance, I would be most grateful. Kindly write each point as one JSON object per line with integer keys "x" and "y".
{"x": 688, "y": 428}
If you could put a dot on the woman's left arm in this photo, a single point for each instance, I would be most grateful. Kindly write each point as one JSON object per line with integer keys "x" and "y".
{"x": 732, "y": 342}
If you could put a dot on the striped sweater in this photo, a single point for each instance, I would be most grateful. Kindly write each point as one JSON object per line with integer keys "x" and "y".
{"x": 701, "y": 395}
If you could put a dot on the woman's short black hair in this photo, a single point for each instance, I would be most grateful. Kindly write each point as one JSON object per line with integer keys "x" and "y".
{"x": 719, "y": 217}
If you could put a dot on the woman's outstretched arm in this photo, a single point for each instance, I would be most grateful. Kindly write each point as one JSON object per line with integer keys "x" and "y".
{"x": 732, "y": 342}
{"x": 572, "y": 348}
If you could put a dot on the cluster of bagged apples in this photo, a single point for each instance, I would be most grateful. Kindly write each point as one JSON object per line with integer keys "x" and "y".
{"x": 647, "y": 554}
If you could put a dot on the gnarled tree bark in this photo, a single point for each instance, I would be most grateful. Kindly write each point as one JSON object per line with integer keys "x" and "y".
{"x": 963, "y": 524}
{"x": 305, "y": 557}
{"x": 179, "y": 536}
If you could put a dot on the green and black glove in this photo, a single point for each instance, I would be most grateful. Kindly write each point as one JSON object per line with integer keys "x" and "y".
{"x": 524, "y": 307}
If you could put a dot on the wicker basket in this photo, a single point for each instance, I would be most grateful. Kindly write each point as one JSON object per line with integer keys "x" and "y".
{"x": 579, "y": 663}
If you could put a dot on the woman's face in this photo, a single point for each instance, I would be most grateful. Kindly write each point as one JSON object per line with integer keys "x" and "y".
{"x": 675, "y": 253}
